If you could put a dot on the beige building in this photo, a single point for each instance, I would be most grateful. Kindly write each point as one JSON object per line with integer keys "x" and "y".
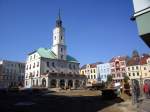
{"x": 138, "y": 68}
{"x": 145, "y": 67}
{"x": 91, "y": 73}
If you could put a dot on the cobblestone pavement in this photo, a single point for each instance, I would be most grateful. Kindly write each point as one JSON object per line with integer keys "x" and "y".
{"x": 144, "y": 105}
{"x": 121, "y": 107}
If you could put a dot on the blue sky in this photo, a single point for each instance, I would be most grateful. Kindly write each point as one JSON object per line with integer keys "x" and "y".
{"x": 96, "y": 30}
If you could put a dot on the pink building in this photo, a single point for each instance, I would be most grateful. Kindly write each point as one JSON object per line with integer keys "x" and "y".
{"x": 118, "y": 66}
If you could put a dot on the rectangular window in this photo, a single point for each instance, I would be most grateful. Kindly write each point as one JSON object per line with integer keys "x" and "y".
{"x": 27, "y": 67}
{"x": 30, "y": 58}
{"x": 94, "y": 70}
{"x": 128, "y": 68}
{"x": 47, "y": 64}
{"x": 34, "y": 65}
{"x": 37, "y": 64}
{"x": 91, "y": 77}
{"x": 91, "y": 71}
{"x": 30, "y": 66}
{"x": 61, "y": 49}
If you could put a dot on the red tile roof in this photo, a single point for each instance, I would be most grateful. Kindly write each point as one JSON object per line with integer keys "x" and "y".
{"x": 120, "y": 58}
{"x": 93, "y": 65}
{"x": 133, "y": 61}
{"x": 138, "y": 60}
{"x": 143, "y": 59}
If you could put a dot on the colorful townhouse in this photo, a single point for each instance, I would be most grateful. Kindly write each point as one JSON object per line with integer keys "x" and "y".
{"x": 103, "y": 71}
{"x": 91, "y": 73}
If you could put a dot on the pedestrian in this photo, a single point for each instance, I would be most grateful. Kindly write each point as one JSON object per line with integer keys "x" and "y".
{"x": 149, "y": 89}
{"x": 146, "y": 90}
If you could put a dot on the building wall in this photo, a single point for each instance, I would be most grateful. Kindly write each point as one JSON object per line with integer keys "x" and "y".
{"x": 45, "y": 66}
{"x": 118, "y": 70}
{"x": 103, "y": 71}
{"x": 32, "y": 70}
{"x": 12, "y": 74}
{"x": 59, "y": 47}
{"x": 140, "y": 5}
{"x": 134, "y": 72}
{"x": 90, "y": 73}
{"x": 143, "y": 23}
{"x": 145, "y": 71}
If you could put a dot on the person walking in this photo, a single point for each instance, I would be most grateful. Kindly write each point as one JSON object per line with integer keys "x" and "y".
{"x": 146, "y": 90}
{"x": 149, "y": 89}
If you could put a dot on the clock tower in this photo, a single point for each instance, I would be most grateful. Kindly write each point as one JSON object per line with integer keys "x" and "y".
{"x": 59, "y": 47}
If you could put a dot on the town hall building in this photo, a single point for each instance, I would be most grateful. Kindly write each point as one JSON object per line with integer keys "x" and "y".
{"x": 52, "y": 67}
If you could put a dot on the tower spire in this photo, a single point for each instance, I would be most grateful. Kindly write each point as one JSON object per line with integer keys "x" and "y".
{"x": 59, "y": 17}
{"x": 58, "y": 21}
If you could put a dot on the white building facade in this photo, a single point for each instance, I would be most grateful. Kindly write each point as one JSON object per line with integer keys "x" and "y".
{"x": 11, "y": 74}
{"x": 53, "y": 68}
{"x": 103, "y": 71}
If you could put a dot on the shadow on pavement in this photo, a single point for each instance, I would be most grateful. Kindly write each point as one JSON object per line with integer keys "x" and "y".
{"x": 38, "y": 102}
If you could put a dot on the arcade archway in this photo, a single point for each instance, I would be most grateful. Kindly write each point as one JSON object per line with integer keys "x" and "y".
{"x": 53, "y": 83}
{"x": 43, "y": 82}
{"x": 62, "y": 83}
{"x": 70, "y": 83}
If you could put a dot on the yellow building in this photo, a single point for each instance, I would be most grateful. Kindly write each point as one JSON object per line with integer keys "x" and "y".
{"x": 145, "y": 67}
{"x": 90, "y": 71}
